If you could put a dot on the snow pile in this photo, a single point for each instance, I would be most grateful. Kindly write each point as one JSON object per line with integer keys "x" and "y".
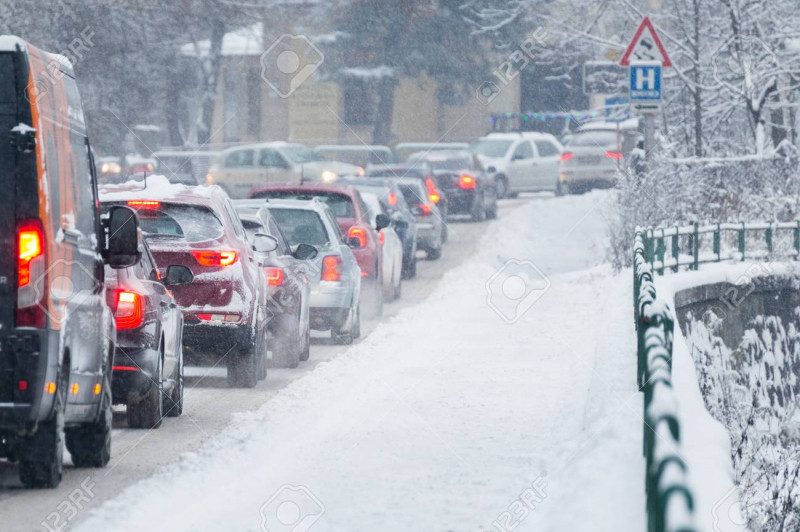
{"x": 448, "y": 416}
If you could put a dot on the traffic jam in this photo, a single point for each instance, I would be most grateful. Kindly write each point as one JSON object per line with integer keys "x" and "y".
{"x": 238, "y": 260}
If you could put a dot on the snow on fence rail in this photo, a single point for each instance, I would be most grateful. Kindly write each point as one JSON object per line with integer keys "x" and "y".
{"x": 670, "y": 503}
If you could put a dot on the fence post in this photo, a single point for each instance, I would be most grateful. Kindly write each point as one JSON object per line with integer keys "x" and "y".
{"x": 696, "y": 246}
{"x": 660, "y": 250}
{"x": 741, "y": 240}
{"x": 676, "y": 248}
{"x": 717, "y": 243}
{"x": 797, "y": 240}
{"x": 768, "y": 236}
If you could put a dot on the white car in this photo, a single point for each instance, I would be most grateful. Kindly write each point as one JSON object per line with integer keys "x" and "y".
{"x": 521, "y": 162}
{"x": 391, "y": 247}
{"x": 239, "y": 169}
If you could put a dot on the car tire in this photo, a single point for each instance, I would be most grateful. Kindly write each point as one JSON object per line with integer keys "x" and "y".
{"x": 501, "y": 183}
{"x": 561, "y": 189}
{"x": 41, "y": 462}
{"x": 410, "y": 267}
{"x": 90, "y": 444}
{"x": 346, "y": 337}
{"x": 397, "y": 291}
{"x": 147, "y": 411}
{"x": 174, "y": 401}
{"x": 305, "y": 347}
{"x": 478, "y": 213}
{"x": 243, "y": 366}
{"x": 435, "y": 254}
{"x": 512, "y": 195}
{"x": 491, "y": 212}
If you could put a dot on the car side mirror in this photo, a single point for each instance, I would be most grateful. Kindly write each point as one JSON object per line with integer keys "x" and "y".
{"x": 305, "y": 252}
{"x": 263, "y": 243}
{"x": 401, "y": 224}
{"x": 123, "y": 238}
{"x": 178, "y": 275}
{"x": 491, "y": 169}
{"x": 382, "y": 221}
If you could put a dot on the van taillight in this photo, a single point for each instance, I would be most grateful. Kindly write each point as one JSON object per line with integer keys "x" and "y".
{"x": 129, "y": 313}
{"x": 32, "y": 288}
{"x": 331, "y": 268}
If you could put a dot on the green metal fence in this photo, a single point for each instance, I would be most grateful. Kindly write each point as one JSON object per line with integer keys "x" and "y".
{"x": 670, "y": 503}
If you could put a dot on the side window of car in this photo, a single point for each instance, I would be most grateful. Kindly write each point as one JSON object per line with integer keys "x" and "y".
{"x": 546, "y": 148}
{"x": 148, "y": 267}
{"x": 239, "y": 159}
{"x": 234, "y": 220}
{"x": 270, "y": 159}
{"x": 524, "y": 150}
{"x": 335, "y": 225}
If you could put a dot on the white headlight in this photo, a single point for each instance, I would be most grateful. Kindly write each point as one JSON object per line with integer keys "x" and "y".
{"x": 327, "y": 176}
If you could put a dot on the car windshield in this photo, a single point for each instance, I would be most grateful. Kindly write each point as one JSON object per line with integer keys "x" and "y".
{"x": 593, "y": 138}
{"x": 449, "y": 163}
{"x": 301, "y": 154}
{"x": 491, "y": 147}
{"x": 187, "y": 222}
{"x": 413, "y": 194}
{"x": 340, "y": 204}
{"x": 301, "y": 226}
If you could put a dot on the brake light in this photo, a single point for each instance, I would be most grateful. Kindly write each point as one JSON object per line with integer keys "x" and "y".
{"x": 331, "y": 268}
{"x": 430, "y": 184}
{"x": 129, "y": 313}
{"x": 22, "y": 385}
{"x": 147, "y": 204}
{"x": 209, "y": 179}
{"x": 614, "y": 155}
{"x": 381, "y": 237}
{"x": 31, "y": 246}
{"x": 466, "y": 182}
{"x": 566, "y": 156}
{"x": 392, "y": 199}
{"x": 227, "y": 318}
{"x": 32, "y": 288}
{"x": 426, "y": 209}
{"x": 360, "y": 234}
{"x": 434, "y": 197}
{"x": 214, "y": 258}
{"x": 274, "y": 276}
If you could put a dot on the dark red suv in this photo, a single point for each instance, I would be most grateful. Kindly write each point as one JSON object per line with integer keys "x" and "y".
{"x": 224, "y": 307}
{"x": 352, "y": 215}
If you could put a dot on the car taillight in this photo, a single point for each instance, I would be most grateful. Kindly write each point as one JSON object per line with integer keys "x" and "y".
{"x": 209, "y": 179}
{"x": 566, "y": 156}
{"x": 331, "y": 268}
{"x": 146, "y": 204}
{"x": 614, "y": 154}
{"x": 215, "y": 258}
{"x": 361, "y": 234}
{"x": 392, "y": 199}
{"x": 431, "y": 186}
{"x": 434, "y": 197}
{"x": 274, "y": 276}
{"x": 426, "y": 209}
{"x": 381, "y": 237}
{"x": 32, "y": 289}
{"x": 223, "y": 318}
{"x": 129, "y": 313}
{"x": 466, "y": 182}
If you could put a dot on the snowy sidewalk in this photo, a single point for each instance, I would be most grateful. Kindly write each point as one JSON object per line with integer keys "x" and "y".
{"x": 445, "y": 416}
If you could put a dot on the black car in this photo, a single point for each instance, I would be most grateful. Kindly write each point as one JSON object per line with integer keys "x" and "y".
{"x": 403, "y": 221}
{"x": 288, "y": 325}
{"x": 148, "y": 363}
{"x": 417, "y": 170}
{"x": 469, "y": 189}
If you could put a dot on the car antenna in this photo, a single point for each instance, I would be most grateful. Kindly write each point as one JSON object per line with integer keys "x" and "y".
{"x": 144, "y": 178}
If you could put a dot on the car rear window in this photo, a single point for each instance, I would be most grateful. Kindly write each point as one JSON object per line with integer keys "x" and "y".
{"x": 396, "y": 172}
{"x": 593, "y": 138}
{"x": 413, "y": 194}
{"x": 340, "y": 204}
{"x": 188, "y": 222}
{"x": 451, "y": 163}
{"x": 301, "y": 226}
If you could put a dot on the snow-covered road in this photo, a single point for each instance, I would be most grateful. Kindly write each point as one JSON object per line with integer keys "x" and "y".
{"x": 446, "y": 417}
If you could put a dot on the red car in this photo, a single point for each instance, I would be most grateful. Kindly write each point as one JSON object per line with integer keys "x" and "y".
{"x": 224, "y": 307}
{"x": 353, "y": 218}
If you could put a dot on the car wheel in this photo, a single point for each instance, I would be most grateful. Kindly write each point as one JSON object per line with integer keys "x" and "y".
{"x": 243, "y": 366}
{"x": 513, "y": 195}
{"x": 561, "y": 189}
{"x": 410, "y": 267}
{"x": 357, "y": 324}
{"x": 90, "y": 444}
{"x": 146, "y": 412}
{"x": 305, "y": 349}
{"x": 502, "y": 186}
{"x": 435, "y": 254}
{"x": 346, "y": 337}
{"x": 174, "y": 406}
{"x": 41, "y": 462}
{"x": 478, "y": 210}
{"x": 491, "y": 212}
{"x": 398, "y": 288}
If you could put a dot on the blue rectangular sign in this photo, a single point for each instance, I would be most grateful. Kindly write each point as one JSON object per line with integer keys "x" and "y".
{"x": 645, "y": 83}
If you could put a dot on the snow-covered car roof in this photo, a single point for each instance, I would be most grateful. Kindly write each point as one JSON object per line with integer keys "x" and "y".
{"x": 530, "y": 135}
{"x": 158, "y": 188}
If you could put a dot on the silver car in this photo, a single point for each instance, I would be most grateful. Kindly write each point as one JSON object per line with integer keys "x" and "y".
{"x": 429, "y": 221}
{"x": 334, "y": 273}
{"x": 591, "y": 157}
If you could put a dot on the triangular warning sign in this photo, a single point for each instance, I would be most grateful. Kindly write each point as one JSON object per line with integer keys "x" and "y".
{"x": 646, "y": 46}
